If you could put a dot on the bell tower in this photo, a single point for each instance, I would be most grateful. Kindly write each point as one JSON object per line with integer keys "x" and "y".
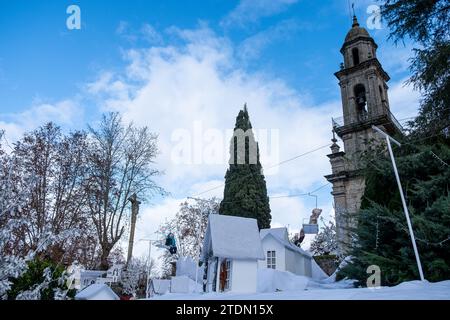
{"x": 363, "y": 84}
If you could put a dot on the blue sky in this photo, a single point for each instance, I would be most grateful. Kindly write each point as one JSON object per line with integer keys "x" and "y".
{"x": 41, "y": 59}
{"x": 175, "y": 65}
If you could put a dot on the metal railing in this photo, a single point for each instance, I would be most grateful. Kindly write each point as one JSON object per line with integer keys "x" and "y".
{"x": 365, "y": 116}
{"x": 393, "y": 118}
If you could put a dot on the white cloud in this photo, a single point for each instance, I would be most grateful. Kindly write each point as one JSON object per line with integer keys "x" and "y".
{"x": 150, "y": 34}
{"x": 403, "y": 100}
{"x": 202, "y": 82}
{"x": 66, "y": 112}
{"x": 250, "y": 11}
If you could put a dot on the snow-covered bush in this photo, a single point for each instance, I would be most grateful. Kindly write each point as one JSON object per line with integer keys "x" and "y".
{"x": 325, "y": 242}
{"x": 133, "y": 280}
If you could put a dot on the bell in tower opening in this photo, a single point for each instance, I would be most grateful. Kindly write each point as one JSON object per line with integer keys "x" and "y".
{"x": 363, "y": 84}
{"x": 360, "y": 95}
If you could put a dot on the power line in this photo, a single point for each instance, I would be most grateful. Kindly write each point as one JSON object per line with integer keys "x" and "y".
{"x": 311, "y": 193}
{"x": 275, "y": 165}
{"x": 309, "y": 152}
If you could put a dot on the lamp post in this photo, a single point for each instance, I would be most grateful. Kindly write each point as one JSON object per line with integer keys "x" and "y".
{"x": 147, "y": 290}
{"x": 405, "y": 207}
{"x": 199, "y": 245}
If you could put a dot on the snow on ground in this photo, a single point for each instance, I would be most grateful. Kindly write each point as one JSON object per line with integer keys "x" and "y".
{"x": 283, "y": 285}
{"x": 270, "y": 280}
{"x": 320, "y": 290}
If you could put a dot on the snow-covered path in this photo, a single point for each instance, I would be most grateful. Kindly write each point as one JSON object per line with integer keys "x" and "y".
{"x": 413, "y": 290}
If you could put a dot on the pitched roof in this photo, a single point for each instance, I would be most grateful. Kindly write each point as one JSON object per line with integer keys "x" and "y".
{"x": 92, "y": 273}
{"x": 232, "y": 237}
{"x": 91, "y": 291}
{"x": 279, "y": 232}
{"x": 281, "y": 235}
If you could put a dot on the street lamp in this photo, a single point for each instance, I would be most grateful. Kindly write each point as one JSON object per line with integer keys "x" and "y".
{"x": 199, "y": 244}
{"x": 147, "y": 290}
{"x": 405, "y": 207}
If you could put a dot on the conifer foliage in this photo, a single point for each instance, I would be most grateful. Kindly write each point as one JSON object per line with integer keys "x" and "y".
{"x": 245, "y": 191}
{"x": 382, "y": 236}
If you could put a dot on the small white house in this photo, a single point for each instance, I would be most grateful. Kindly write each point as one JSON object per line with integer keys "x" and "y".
{"x": 231, "y": 250}
{"x": 88, "y": 277}
{"x": 112, "y": 275}
{"x": 97, "y": 292}
{"x": 281, "y": 254}
{"x": 80, "y": 278}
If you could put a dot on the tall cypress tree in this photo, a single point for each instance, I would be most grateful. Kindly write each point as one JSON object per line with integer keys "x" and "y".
{"x": 245, "y": 193}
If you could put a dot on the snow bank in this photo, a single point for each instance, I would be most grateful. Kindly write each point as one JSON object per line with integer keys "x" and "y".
{"x": 161, "y": 286}
{"x": 186, "y": 266}
{"x": 183, "y": 284}
{"x": 271, "y": 280}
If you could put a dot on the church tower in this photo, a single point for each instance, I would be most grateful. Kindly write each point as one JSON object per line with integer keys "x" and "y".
{"x": 365, "y": 102}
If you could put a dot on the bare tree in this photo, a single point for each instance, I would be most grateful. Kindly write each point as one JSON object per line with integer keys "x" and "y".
{"x": 121, "y": 160}
{"x": 57, "y": 202}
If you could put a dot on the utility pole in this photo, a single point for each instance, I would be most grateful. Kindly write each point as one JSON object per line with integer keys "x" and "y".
{"x": 134, "y": 212}
{"x": 405, "y": 207}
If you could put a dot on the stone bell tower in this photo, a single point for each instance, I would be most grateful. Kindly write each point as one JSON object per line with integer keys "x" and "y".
{"x": 364, "y": 103}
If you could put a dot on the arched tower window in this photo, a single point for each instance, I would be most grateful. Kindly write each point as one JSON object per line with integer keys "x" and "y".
{"x": 381, "y": 93}
{"x": 355, "y": 55}
{"x": 361, "y": 101}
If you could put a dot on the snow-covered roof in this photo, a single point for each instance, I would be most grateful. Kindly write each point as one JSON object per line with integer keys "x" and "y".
{"x": 92, "y": 273}
{"x": 91, "y": 292}
{"x": 281, "y": 235}
{"x": 279, "y": 232}
{"x": 232, "y": 237}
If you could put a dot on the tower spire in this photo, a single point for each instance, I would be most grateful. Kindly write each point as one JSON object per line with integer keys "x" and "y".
{"x": 355, "y": 22}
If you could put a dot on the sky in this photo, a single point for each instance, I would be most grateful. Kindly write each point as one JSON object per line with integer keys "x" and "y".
{"x": 185, "y": 69}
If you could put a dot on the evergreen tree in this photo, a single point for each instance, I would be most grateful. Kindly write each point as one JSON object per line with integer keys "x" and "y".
{"x": 43, "y": 280}
{"x": 381, "y": 234}
{"x": 428, "y": 24}
{"x": 245, "y": 191}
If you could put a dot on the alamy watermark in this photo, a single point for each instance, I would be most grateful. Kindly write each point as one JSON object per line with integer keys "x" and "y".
{"x": 73, "y": 22}
{"x": 374, "y": 19}
{"x": 374, "y": 280}
{"x": 211, "y": 146}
